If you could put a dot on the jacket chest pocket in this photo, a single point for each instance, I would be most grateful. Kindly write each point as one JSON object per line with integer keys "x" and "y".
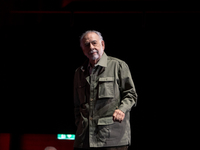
{"x": 106, "y": 87}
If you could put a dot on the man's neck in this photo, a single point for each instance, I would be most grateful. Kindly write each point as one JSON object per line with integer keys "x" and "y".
{"x": 93, "y": 62}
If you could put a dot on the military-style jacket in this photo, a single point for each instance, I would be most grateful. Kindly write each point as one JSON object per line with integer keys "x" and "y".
{"x": 96, "y": 97}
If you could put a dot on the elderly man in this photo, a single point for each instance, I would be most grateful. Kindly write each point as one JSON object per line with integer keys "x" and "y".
{"x": 104, "y": 94}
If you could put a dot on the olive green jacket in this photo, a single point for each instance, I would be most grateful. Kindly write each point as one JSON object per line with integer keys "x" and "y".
{"x": 96, "y": 97}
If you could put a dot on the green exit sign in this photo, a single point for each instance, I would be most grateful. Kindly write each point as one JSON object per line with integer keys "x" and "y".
{"x": 66, "y": 136}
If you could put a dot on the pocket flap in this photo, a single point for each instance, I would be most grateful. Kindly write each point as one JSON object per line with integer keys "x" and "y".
{"x": 105, "y": 121}
{"x": 106, "y": 79}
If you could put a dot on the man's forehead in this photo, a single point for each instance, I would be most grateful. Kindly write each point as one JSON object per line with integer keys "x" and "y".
{"x": 91, "y": 36}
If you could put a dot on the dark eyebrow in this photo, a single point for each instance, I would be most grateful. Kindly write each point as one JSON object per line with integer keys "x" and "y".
{"x": 86, "y": 43}
{"x": 94, "y": 41}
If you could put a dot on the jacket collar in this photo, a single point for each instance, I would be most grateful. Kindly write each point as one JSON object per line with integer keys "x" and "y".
{"x": 102, "y": 62}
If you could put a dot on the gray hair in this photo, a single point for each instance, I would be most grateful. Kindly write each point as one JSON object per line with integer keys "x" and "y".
{"x": 85, "y": 33}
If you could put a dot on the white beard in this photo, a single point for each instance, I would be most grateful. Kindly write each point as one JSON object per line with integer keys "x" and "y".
{"x": 95, "y": 56}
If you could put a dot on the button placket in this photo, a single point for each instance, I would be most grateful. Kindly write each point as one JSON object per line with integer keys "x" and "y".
{"x": 92, "y": 95}
{"x": 93, "y": 84}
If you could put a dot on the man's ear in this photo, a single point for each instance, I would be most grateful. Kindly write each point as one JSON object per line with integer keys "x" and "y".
{"x": 103, "y": 44}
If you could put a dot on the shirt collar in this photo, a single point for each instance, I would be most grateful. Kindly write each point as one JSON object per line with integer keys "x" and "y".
{"x": 102, "y": 62}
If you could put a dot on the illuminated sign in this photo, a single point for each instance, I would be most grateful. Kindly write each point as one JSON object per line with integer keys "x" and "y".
{"x": 66, "y": 136}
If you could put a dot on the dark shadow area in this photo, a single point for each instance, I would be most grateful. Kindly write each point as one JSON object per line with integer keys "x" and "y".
{"x": 40, "y": 52}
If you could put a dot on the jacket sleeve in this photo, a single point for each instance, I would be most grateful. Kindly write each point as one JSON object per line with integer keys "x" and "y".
{"x": 127, "y": 89}
{"x": 76, "y": 101}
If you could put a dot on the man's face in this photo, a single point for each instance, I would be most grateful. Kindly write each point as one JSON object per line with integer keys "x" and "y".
{"x": 92, "y": 46}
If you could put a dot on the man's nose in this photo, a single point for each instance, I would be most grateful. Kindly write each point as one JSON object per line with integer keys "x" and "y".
{"x": 91, "y": 46}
